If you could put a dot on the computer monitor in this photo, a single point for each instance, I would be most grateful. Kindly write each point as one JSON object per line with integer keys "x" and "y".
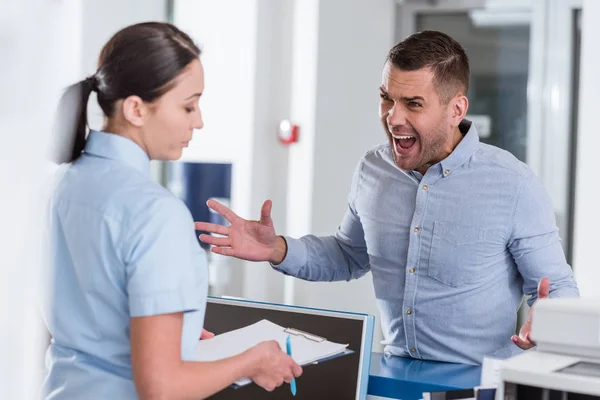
{"x": 341, "y": 378}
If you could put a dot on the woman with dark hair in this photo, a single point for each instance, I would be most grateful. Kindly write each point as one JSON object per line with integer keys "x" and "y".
{"x": 129, "y": 278}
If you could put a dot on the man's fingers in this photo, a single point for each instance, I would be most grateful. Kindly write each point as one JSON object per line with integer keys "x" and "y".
{"x": 221, "y": 209}
{"x": 212, "y": 228}
{"x": 543, "y": 288}
{"x": 265, "y": 212}
{"x": 522, "y": 343}
{"x": 216, "y": 241}
{"x": 224, "y": 251}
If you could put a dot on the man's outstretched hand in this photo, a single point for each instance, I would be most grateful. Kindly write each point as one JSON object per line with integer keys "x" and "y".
{"x": 248, "y": 240}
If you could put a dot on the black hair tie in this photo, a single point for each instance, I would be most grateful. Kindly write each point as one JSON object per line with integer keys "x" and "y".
{"x": 92, "y": 83}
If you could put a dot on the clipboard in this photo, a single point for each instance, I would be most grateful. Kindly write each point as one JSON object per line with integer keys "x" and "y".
{"x": 309, "y": 336}
{"x": 318, "y": 339}
{"x": 308, "y": 348}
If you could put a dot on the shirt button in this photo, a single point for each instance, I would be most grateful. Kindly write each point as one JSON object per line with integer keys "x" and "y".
{"x": 387, "y": 354}
{"x": 413, "y": 350}
{"x": 425, "y": 187}
{"x": 412, "y": 270}
{"x": 409, "y": 311}
{"x": 417, "y": 229}
{"x": 446, "y": 172}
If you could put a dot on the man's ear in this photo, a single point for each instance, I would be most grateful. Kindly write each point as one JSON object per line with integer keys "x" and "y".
{"x": 135, "y": 110}
{"x": 457, "y": 109}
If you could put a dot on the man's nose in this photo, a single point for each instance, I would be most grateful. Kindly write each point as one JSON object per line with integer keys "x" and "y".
{"x": 396, "y": 116}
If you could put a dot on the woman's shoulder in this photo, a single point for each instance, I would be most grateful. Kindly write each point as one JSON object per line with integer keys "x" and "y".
{"x": 121, "y": 193}
{"x": 143, "y": 200}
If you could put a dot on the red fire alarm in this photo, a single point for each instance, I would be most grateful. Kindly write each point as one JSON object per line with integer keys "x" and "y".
{"x": 288, "y": 132}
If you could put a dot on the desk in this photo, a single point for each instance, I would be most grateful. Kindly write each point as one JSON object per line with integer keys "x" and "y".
{"x": 407, "y": 378}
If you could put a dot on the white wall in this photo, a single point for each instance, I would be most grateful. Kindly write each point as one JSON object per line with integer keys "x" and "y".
{"x": 303, "y": 112}
{"x": 299, "y": 205}
{"x": 353, "y": 40}
{"x": 40, "y": 48}
{"x": 272, "y": 103}
{"x": 103, "y": 18}
{"x": 587, "y": 211}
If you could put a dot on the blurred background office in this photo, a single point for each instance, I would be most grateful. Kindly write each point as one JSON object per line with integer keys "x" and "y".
{"x": 317, "y": 64}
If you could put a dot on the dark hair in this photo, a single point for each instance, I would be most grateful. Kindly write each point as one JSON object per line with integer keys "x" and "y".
{"x": 140, "y": 60}
{"x": 438, "y": 51}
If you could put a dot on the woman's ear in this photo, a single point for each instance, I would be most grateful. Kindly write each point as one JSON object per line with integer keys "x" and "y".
{"x": 135, "y": 111}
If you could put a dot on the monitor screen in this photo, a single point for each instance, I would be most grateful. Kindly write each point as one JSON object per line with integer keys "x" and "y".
{"x": 343, "y": 378}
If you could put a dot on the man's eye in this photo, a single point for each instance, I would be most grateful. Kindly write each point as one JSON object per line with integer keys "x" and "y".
{"x": 189, "y": 109}
{"x": 384, "y": 97}
{"x": 414, "y": 104}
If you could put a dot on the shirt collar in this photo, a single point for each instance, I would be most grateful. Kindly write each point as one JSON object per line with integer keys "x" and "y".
{"x": 119, "y": 148}
{"x": 464, "y": 150}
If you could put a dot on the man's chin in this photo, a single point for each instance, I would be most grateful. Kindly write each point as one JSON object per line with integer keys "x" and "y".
{"x": 405, "y": 165}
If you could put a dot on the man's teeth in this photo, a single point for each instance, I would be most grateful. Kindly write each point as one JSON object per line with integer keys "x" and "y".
{"x": 402, "y": 137}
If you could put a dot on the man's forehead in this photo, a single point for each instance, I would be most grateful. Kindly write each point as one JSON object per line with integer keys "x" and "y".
{"x": 395, "y": 78}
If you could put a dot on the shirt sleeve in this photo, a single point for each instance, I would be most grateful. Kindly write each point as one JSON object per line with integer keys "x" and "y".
{"x": 165, "y": 265}
{"x": 535, "y": 244}
{"x": 340, "y": 257}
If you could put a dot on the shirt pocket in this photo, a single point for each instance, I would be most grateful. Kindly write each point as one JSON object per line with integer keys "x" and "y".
{"x": 457, "y": 254}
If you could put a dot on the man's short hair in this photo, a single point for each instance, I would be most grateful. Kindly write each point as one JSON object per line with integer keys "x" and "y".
{"x": 438, "y": 51}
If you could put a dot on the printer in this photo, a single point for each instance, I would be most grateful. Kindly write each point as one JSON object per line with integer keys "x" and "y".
{"x": 565, "y": 364}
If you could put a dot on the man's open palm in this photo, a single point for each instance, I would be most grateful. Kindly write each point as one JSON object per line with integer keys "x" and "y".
{"x": 248, "y": 240}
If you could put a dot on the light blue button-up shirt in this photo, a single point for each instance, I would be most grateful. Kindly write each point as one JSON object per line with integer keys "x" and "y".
{"x": 452, "y": 252}
{"x": 122, "y": 246}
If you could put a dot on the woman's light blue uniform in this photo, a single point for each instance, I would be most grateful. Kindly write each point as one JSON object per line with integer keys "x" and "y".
{"x": 122, "y": 246}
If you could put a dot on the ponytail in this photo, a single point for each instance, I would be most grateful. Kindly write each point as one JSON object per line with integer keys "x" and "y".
{"x": 70, "y": 123}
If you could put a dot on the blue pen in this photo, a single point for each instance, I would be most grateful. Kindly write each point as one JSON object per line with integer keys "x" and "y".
{"x": 288, "y": 345}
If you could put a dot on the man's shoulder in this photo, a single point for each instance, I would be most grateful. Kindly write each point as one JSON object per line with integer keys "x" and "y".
{"x": 377, "y": 160}
{"x": 501, "y": 159}
{"x": 380, "y": 153}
